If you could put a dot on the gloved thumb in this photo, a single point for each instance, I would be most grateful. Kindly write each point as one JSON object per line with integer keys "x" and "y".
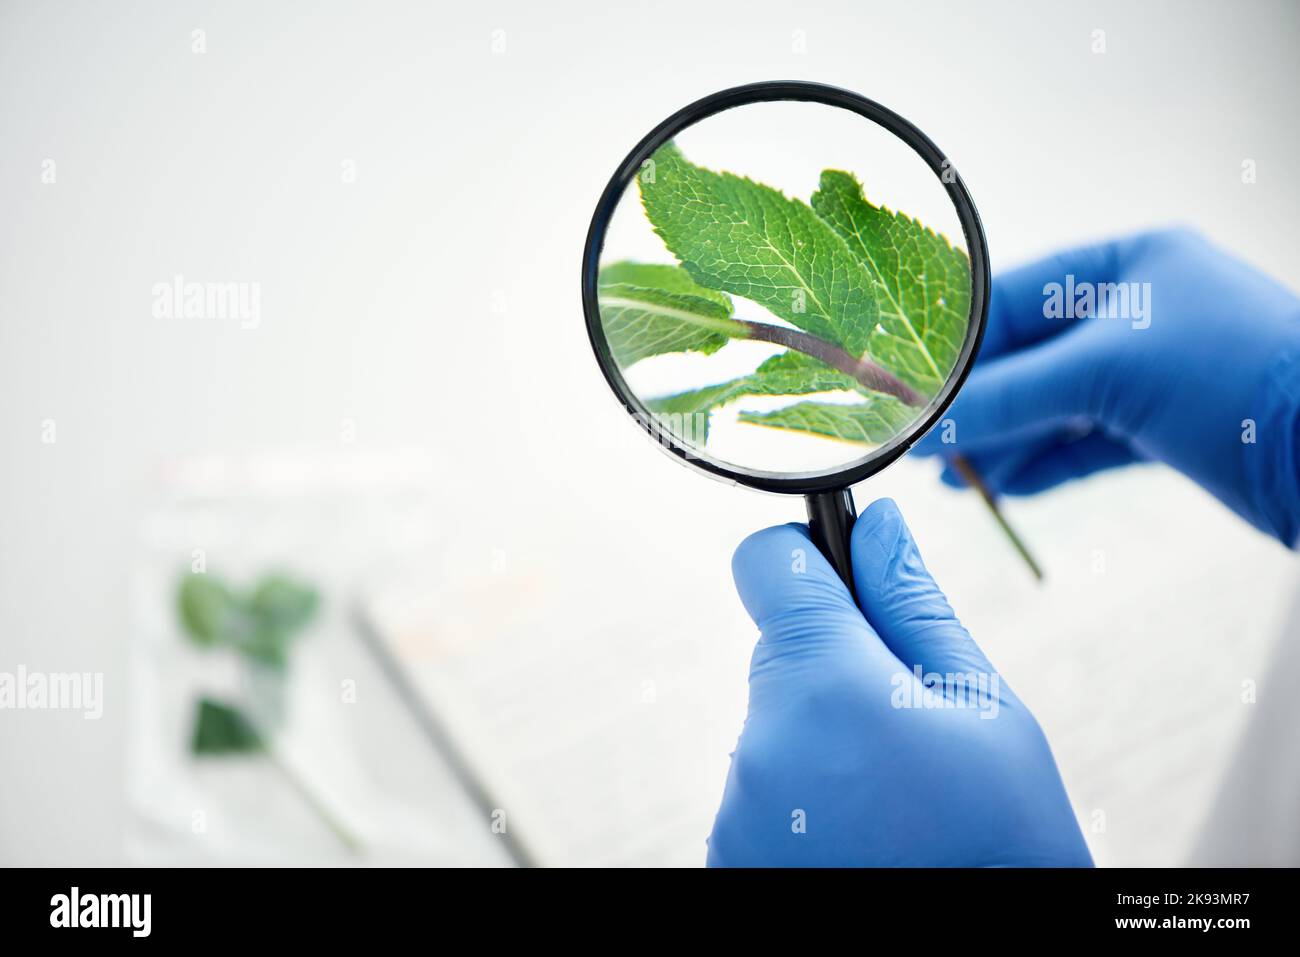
{"x": 810, "y": 626}
{"x": 902, "y": 601}
{"x": 789, "y": 588}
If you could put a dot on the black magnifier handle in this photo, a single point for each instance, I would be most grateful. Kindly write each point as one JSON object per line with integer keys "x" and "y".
{"x": 830, "y": 522}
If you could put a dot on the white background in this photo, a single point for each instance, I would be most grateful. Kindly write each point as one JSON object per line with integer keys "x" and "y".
{"x": 435, "y": 303}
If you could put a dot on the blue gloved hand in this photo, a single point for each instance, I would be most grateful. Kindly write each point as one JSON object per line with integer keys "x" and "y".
{"x": 846, "y": 758}
{"x": 1201, "y": 372}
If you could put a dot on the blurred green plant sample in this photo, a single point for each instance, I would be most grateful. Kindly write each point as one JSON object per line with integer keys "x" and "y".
{"x": 259, "y": 625}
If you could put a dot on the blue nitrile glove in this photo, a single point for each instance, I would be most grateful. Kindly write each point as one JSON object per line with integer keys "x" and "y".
{"x": 1201, "y": 372}
{"x": 845, "y": 757}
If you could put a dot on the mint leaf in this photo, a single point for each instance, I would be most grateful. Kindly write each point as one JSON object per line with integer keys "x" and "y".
{"x": 789, "y": 373}
{"x": 854, "y": 277}
{"x": 792, "y": 373}
{"x": 208, "y": 610}
{"x": 670, "y": 278}
{"x": 649, "y": 309}
{"x": 694, "y": 407}
{"x": 260, "y": 626}
{"x": 875, "y": 421}
{"x": 741, "y": 237}
{"x": 281, "y": 603}
{"x": 922, "y": 282}
{"x": 222, "y": 729}
{"x": 267, "y": 645}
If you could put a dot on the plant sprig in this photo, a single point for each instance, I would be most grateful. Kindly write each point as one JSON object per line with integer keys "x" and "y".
{"x": 260, "y": 626}
{"x": 879, "y": 302}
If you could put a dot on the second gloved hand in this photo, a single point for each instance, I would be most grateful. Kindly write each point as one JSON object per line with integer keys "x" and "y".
{"x": 1158, "y": 347}
{"x": 846, "y": 757}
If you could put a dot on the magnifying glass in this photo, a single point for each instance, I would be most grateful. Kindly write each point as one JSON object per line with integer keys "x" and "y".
{"x": 785, "y": 284}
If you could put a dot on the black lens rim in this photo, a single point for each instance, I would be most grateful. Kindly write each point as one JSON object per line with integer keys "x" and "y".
{"x": 922, "y": 145}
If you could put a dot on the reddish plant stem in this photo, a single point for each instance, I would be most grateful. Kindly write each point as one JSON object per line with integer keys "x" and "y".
{"x": 878, "y": 379}
{"x": 864, "y": 370}
{"x": 972, "y": 477}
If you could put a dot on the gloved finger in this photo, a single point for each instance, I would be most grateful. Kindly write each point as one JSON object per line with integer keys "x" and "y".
{"x": 1017, "y": 399}
{"x": 1021, "y": 306}
{"x": 902, "y": 601}
{"x": 791, "y": 591}
{"x": 999, "y": 464}
{"x": 1093, "y": 453}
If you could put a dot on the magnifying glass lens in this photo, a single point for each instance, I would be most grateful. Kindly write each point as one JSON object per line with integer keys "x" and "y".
{"x": 784, "y": 290}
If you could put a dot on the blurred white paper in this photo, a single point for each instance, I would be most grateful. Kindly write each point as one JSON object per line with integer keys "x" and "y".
{"x": 593, "y": 671}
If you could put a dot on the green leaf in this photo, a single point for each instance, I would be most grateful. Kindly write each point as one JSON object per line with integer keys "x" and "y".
{"x": 741, "y": 237}
{"x": 794, "y": 373}
{"x": 877, "y": 420}
{"x": 789, "y": 373}
{"x": 209, "y": 610}
{"x": 649, "y": 309}
{"x": 260, "y": 626}
{"x": 283, "y": 604}
{"x": 267, "y": 645}
{"x": 669, "y": 277}
{"x": 922, "y": 282}
{"x": 686, "y": 414}
{"x": 856, "y": 275}
{"x": 222, "y": 729}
